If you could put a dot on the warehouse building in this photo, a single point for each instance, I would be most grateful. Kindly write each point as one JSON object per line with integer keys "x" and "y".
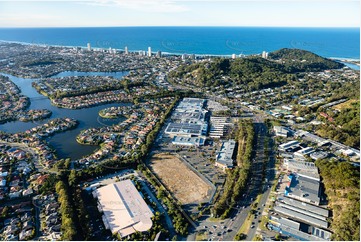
{"x": 292, "y": 228}
{"x": 279, "y": 208}
{"x": 305, "y": 206}
{"x": 124, "y": 210}
{"x": 289, "y": 145}
{"x": 303, "y": 188}
{"x": 302, "y": 168}
{"x": 305, "y": 151}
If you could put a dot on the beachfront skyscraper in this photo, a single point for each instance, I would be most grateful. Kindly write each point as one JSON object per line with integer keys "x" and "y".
{"x": 159, "y": 53}
{"x": 89, "y": 47}
{"x": 149, "y": 51}
{"x": 264, "y": 54}
{"x": 126, "y": 50}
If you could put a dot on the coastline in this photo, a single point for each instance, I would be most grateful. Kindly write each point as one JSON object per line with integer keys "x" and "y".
{"x": 344, "y": 59}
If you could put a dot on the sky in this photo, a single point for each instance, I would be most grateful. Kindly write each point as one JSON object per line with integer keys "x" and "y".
{"x": 101, "y": 13}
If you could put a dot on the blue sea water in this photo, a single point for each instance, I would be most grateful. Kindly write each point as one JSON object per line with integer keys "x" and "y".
{"x": 327, "y": 42}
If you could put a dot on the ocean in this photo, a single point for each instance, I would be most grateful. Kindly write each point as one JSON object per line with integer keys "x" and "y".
{"x": 327, "y": 42}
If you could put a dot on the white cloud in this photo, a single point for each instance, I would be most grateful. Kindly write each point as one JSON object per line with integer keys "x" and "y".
{"x": 160, "y": 6}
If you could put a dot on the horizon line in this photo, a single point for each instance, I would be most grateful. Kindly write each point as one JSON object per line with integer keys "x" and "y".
{"x": 177, "y": 26}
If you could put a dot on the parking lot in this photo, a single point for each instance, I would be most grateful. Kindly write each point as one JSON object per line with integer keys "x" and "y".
{"x": 200, "y": 158}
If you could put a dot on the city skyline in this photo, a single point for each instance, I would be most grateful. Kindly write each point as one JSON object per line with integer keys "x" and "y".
{"x": 125, "y": 13}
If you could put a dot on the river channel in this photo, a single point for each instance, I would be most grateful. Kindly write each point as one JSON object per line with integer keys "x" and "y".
{"x": 64, "y": 143}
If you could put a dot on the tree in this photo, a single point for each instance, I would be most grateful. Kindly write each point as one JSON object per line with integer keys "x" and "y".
{"x": 5, "y": 212}
{"x": 73, "y": 179}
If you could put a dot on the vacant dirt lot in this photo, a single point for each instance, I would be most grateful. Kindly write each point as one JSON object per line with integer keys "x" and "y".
{"x": 186, "y": 186}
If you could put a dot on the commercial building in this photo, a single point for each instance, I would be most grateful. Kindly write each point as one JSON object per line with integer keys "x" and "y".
{"x": 126, "y": 51}
{"x": 188, "y": 141}
{"x": 125, "y": 211}
{"x": 184, "y": 129}
{"x": 188, "y": 119}
{"x": 89, "y": 47}
{"x": 280, "y": 131}
{"x": 218, "y": 126}
{"x": 149, "y": 51}
{"x": 289, "y": 145}
{"x": 224, "y": 157}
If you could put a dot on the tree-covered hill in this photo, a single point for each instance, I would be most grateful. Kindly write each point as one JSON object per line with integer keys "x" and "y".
{"x": 253, "y": 72}
{"x": 296, "y": 60}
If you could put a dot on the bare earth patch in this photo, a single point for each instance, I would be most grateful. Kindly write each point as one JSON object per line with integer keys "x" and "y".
{"x": 185, "y": 185}
{"x": 347, "y": 104}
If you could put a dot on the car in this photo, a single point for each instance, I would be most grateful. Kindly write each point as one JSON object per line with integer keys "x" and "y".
{"x": 252, "y": 226}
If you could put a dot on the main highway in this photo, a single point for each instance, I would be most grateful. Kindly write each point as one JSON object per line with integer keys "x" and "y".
{"x": 226, "y": 230}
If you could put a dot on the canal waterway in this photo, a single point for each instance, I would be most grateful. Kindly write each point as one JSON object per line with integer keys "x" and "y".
{"x": 64, "y": 143}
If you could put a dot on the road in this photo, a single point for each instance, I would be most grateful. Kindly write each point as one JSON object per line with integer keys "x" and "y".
{"x": 227, "y": 229}
{"x": 168, "y": 220}
{"x": 265, "y": 188}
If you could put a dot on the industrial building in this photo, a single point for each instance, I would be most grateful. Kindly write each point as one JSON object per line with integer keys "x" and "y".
{"x": 124, "y": 210}
{"x": 281, "y": 208}
{"x": 280, "y": 131}
{"x": 305, "y": 207}
{"x": 305, "y": 151}
{"x": 224, "y": 157}
{"x": 294, "y": 229}
{"x": 289, "y": 145}
{"x": 319, "y": 155}
{"x": 303, "y": 188}
{"x": 302, "y": 168}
